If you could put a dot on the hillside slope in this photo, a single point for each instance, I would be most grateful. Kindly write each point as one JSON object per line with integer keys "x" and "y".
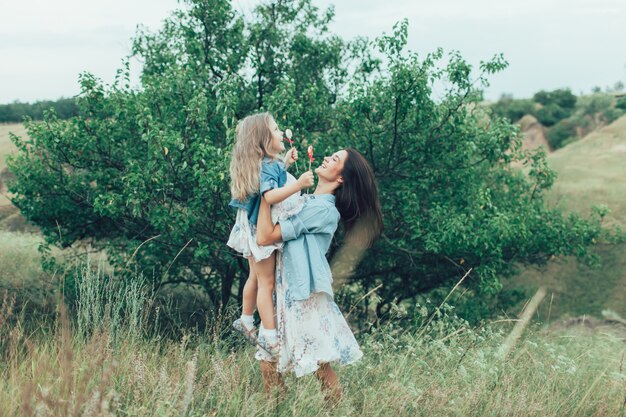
{"x": 591, "y": 171}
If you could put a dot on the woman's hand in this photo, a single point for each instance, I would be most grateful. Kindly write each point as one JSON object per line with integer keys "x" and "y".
{"x": 306, "y": 180}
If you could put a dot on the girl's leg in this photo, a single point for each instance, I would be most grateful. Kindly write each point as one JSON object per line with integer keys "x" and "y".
{"x": 265, "y": 280}
{"x": 330, "y": 382}
{"x": 249, "y": 291}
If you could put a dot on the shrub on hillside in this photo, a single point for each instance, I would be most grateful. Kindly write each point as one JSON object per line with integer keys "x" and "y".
{"x": 561, "y": 133}
{"x": 594, "y": 105}
{"x": 555, "y": 106}
{"x": 563, "y": 98}
{"x": 513, "y": 109}
{"x": 551, "y": 114}
{"x": 612, "y": 114}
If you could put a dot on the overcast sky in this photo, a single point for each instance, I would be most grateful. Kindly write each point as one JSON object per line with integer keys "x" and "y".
{"x": 549, "y": 44}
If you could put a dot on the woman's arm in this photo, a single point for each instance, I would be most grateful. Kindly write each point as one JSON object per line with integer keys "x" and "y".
{"x": 266, "y": 232}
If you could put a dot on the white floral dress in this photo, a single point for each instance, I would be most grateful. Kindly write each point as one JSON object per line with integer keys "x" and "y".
{"x": 310, "y": 332}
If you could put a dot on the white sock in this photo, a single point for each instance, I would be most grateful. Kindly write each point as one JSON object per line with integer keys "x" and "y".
{"x": 247, "y": 321}
{"x": 270, "y": 335}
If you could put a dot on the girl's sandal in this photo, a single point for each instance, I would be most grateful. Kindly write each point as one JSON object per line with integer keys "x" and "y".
{"x": 271, "y": 348}
{"x": 249, "y": 334}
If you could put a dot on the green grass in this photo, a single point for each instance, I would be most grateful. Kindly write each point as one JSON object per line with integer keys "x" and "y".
{"x": 7, "y": 148}
{"x": 21, "y": 273}
{"x": 81, "y": 364}
{"x": 592, "y": 171}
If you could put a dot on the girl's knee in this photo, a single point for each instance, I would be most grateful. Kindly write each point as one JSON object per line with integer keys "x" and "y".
{"x": 265, "y": 279}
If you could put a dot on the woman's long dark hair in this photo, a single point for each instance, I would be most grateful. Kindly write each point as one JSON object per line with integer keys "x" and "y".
{"x": 357, "y": 200}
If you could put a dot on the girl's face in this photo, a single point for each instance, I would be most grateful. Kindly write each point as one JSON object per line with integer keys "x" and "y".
{"x": 277, "y": 143}
{"x": 332, "y": 166}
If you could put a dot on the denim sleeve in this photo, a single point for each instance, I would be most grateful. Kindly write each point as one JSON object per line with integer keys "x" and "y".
{"x": 270, "y": 174}
{"x": 314, "y": 218}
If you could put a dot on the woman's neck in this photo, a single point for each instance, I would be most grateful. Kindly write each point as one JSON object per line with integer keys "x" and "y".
{"x": 324, "y": 187}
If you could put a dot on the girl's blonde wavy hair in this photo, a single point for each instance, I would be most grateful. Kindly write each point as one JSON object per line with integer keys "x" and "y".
{"x": 254, "y": 140}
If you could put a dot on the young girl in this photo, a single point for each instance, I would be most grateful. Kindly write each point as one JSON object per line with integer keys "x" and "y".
{"x": 256, "y": 172}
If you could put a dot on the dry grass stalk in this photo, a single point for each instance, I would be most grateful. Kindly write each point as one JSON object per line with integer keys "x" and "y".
{"x": 519, "y": 327}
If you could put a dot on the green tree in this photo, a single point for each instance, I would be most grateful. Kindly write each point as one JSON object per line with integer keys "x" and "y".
{"x": 451, "y": 199}
{"x": 144, "y": 173}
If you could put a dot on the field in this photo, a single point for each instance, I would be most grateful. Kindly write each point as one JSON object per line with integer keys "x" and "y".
{"x": 108, "y": 358}
{"x": 109, "y": 361}
{"x": 10, "y": 219}
{"x": 6, "y": 147}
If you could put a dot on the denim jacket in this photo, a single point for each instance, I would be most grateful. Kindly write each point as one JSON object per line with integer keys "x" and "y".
{"x": 307, "y": 236}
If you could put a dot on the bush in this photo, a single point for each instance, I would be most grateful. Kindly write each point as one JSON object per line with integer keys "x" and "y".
{"x": 594, "y": 104}
{"x": 556, "y": 106}
{"x": 563, "y": 98}
{"x": 513, "y": 109}
{"x": 613, "y": 114}
{"x": 561, "y": 133}
{"x": 551, "y": 114}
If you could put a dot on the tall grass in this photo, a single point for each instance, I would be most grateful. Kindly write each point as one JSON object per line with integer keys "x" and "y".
{"x": 21, "y": 274}
{"x": 105, "y": 303}
{"x": 105, "y": 358}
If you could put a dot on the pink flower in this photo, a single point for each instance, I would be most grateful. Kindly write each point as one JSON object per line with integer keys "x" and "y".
{"x": 310, "y": 152}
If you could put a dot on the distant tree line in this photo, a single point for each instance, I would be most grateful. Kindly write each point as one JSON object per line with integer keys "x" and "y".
{"x": 566, "y": 116}
{"x": 16, "y": 112}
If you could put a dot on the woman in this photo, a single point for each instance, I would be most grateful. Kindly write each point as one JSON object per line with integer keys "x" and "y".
{"x": 312, "y": 331}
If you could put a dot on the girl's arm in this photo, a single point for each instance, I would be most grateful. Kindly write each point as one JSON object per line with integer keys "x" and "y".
{"x": 266, "y": 232}
{"x": 276, "y": 195}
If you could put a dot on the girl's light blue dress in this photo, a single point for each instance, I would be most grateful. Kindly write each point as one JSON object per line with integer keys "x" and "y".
{"x": 311, "y": 328}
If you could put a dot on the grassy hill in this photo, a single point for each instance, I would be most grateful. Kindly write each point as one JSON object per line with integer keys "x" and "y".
{"x": 591, "y": 171}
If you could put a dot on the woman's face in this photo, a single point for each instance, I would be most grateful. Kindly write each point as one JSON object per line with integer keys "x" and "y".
{"x": 332, "y": 167}
{"x": 277, "y": 138}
